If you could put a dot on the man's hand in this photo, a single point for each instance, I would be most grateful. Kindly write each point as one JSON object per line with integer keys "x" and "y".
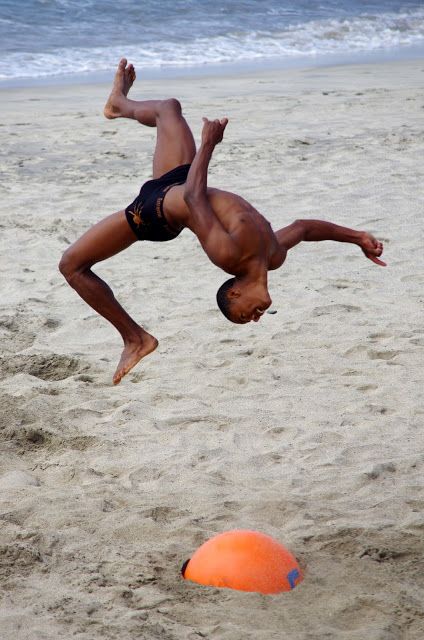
{"x": 372, "y": 248}
{"x": 213, "y": 131}
{"x": 197, "y": 180}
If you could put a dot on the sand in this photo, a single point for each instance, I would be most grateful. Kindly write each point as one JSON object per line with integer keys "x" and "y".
{"x": 306, "y": 426}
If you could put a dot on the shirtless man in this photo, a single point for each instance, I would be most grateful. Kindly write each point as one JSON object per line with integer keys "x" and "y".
{"x": 235, "y": 236}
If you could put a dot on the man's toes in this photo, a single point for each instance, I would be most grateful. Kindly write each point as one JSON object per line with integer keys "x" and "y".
{"x": 122, "y": 64}
{"x": 117, "y": 377}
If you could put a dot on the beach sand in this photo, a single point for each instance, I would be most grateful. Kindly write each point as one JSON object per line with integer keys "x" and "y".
{"x": 306, "y": 426}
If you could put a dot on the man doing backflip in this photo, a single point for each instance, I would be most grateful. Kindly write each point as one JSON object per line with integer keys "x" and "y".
{"x": 235, "y": 236}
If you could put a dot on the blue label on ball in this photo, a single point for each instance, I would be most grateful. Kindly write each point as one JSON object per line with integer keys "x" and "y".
{"x": 292, "y": 577}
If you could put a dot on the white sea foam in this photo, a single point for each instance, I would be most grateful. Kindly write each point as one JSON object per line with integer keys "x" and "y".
{"x": 313, "y": 38}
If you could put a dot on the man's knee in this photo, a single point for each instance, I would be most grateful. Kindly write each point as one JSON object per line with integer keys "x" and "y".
{"x": 66, "y": 266}
{"x": 69, "y": 266}
{"x": 171, "y": 106}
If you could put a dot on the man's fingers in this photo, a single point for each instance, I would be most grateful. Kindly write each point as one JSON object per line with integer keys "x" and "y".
{"x": 223, "y": 122}
{"x": 213, "y": 130}
{"x": 377, "y": 260}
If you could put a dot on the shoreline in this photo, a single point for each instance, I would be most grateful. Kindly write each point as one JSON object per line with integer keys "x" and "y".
{"x": 291, "y": 78}
{"x": 406, "y": 54}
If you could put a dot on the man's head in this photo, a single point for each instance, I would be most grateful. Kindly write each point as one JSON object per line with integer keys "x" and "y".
{"x": 241, "y": 302}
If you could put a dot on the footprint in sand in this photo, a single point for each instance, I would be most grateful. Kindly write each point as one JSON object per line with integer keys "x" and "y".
{"x": 337, "y": 284}
{"x": 51, "y": 324}
{"x": 28, "y": 438}
{"x": 352, "y": 353}
{"x": 372, "y": 354}
{"x": 381, "y": 335}
{"x": 43, "y": 366}
{"x": 271, "y": 457}
{"x": 378, "y": 409}
{"x": 366, "y": 388}
{"x": 15, "y": 336}
{"x": 163, "y": 513}
{"x": 84, "y": 378}
{"x": 81, "y": 443}
{"x": 382, "y": 355}
{"x": 381, "y": 470}
{"x": 19, "y": 558}
{"x": 335, "y": 308}
{"x": 380, "y": 554}
{"x": 147, "y": 473}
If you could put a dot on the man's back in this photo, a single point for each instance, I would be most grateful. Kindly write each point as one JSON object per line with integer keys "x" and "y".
{"x": 250, "y": 231}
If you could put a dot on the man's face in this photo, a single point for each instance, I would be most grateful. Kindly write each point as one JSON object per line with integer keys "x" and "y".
{"x": 248, "y": 307}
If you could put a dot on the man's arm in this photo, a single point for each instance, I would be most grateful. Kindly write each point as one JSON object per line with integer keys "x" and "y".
{"x": 215, "y": 240}
{"x": 317, "y": 230}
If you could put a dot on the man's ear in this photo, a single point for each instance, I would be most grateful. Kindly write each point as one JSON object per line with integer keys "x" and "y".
{"x": 234, "y": 292}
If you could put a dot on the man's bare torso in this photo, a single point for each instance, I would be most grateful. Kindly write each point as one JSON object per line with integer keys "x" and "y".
{"x": 247, "y": 227}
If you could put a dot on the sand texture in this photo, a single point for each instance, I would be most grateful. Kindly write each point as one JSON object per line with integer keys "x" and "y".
{"x": 306, "y": 426}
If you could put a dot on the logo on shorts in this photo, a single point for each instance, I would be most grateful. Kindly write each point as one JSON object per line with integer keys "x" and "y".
{"x": 136, "y": 214}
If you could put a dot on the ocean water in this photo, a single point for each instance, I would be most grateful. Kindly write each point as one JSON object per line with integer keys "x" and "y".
{"x": 51, "y": 39}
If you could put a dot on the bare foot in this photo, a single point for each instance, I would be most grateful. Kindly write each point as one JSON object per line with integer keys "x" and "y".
{"x": 124, "y": 79}
{"x": 133, "y": 352}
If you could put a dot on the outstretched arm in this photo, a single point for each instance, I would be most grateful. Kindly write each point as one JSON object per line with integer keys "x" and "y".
{"x": 317, "y": 230}
{"x": 215, "y": 240}
{"x": 197, "y": 179}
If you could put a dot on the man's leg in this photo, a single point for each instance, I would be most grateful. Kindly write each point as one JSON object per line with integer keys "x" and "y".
{"x": 105, "y": 239}
{"x": 175, "y": 143}
{"x": 175, "y": 146}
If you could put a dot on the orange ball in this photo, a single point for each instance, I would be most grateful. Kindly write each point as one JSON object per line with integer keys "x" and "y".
{"x": 244, "y": 560}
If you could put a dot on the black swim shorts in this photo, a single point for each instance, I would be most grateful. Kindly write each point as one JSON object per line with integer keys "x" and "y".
{"x": 145, "y": 215}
